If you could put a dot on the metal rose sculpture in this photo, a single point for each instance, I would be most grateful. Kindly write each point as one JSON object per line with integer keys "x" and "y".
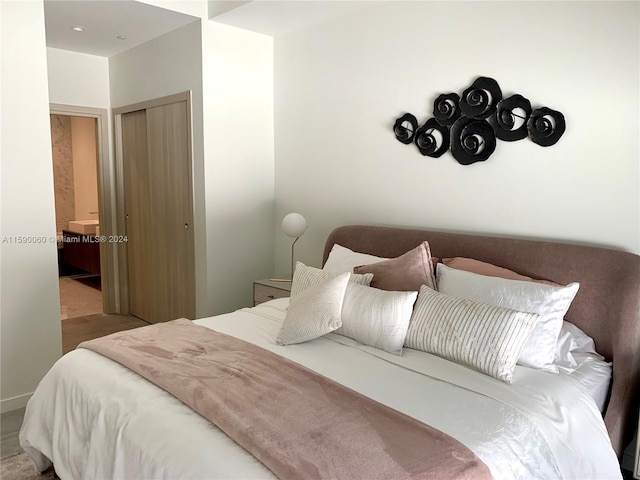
{"x": 472, "y": 140}
{"x": 510, "y": 120}
{"x": 469, "y": 124}
{"x": 432, "y": 139}
{"x": 481, "y": 98}
{"x": 446, "y": 109}
{"x": 545, "y": 126}
{"x": 405, "y": 128}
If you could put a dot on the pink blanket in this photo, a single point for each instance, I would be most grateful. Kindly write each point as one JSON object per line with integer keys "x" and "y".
{"x": 295, "y": 421}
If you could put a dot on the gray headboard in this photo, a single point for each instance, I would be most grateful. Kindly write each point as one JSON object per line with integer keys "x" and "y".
{"x": 607, "y": 306}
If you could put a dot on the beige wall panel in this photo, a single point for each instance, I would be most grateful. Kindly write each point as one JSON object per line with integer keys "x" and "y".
{"x": 138, "y": 213}
{"x": 159, "y": 209}
{"x": 168, "y": 135}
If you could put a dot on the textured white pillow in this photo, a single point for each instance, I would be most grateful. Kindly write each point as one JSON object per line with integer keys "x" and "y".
{"x": 572, "y": 340}
{"x": 305, "y": 277}
{"x": 314, "y": 312}
{"x": 548, "y": 301}
{"x": 342, "y": 259}
{"x": 485, "y": 337}
{"x": 378, "y": 318}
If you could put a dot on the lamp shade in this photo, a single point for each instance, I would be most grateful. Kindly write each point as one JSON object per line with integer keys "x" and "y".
{"x": 294, "y": 225}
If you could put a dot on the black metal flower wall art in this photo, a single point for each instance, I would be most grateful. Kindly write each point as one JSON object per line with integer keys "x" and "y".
{"x": 545, "y": 126}
{"x": 405, "y": 128}
{"x": 510, "y": 120}
{"x": 446, "y": 109}
{"x": 469, "y": 124}
{"x": 481, "y": 98}
{"x": 432, "y": 139}
{"x": 472, "y": 140}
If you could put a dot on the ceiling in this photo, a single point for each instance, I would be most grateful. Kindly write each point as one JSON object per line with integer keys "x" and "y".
{"x": 137, "y": 22}
{"x": 272, "y": 17}
{"x": 104, "y": 22}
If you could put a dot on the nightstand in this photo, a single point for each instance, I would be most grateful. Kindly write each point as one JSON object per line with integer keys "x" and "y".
{"x": 265, "y": 290}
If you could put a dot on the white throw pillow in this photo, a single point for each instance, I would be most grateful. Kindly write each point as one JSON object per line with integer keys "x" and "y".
{"x": 548, "y": 301}
{"x": 305, "y": 277}
{"x": 378, "y": 318}
{"x": 485, "y": 337}
{"x": 314, "y": 312}
{"x": 342, "y": 259}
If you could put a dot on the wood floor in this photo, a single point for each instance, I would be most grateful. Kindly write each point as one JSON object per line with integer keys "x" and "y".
{"x": 81, "y": 313}
{"x": 10, "y": 423}
{"x": 77, "y": 330}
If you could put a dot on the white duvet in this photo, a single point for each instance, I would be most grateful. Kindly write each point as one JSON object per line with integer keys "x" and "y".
{"x": 94, "y": 419}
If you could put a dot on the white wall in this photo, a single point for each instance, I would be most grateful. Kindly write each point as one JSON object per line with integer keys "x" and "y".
{"x": 30, "y": 304}
{"x": 340, "y": 85}
{"x": 239, "y": 165}
{"x": 164, "y": 66}
{"x": 230, "y": 72}
{"x": 195, "y": 8}
{"x": 78, "y": 78}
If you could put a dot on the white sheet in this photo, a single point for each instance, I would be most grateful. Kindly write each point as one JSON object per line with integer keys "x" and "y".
{"x": 576, "y": 355}
{"x": 95, "y": 419}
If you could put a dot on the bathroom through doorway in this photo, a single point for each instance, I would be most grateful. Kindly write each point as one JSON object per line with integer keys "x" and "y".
{"x": 75, "y": 178}
{"x": 79, "y": 147}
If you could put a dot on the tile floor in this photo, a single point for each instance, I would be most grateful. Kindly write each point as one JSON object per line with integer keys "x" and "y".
{"x": 78, "y": 299}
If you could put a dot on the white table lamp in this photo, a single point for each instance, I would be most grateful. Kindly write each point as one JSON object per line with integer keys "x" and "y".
{"x": 294, "y": 225}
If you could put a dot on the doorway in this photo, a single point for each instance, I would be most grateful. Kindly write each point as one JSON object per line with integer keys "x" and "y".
{"x": 74, "y": 154}
{"x": 82, "y": 194}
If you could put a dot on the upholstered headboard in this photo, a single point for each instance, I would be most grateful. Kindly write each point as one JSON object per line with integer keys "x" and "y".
{"x": 607, "y": 306}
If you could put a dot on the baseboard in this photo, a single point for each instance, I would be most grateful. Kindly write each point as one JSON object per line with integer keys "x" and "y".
{"x": 14, "y": 403}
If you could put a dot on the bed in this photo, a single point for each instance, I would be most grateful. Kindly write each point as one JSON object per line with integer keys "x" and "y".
{"x": 92, "y": 417}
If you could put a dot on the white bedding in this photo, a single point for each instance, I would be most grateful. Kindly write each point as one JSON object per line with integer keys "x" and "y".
{"x": 95, "y": 419}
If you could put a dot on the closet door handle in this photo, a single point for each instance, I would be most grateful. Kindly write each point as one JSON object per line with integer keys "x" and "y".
{"x": 186, "y": 226}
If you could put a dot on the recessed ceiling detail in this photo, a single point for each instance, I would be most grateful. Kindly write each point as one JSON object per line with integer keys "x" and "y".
{"x": 104, "y": 22}
{"x": 108, "y": 20}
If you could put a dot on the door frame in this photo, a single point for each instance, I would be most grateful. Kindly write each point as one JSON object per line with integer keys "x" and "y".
{"x": 106, "y": 205}
{"x": 120, "y": 220}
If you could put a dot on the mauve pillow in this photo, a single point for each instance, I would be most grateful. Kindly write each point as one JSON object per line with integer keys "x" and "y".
{"x": 406, "y": 273}
{"x": 483, "y": 268}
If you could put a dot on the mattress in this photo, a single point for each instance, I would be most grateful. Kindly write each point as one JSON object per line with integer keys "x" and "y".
{"x": 95, "y": 419}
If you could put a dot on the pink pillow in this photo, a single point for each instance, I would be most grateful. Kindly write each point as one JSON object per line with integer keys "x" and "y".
{"x": 490, "y": 270}
{"x": 406, "y": 273}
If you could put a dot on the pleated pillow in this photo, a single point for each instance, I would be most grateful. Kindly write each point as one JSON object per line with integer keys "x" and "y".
{"x": 305, "y": 277}
{"x": 485, "y": 337}
{"x": 376, "y": 317}
{"x": 549, "y": 301}
{"x": 314, "y": 312}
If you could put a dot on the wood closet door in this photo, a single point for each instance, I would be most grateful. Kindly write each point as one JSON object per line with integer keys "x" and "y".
{"x": 158, "y": 205}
